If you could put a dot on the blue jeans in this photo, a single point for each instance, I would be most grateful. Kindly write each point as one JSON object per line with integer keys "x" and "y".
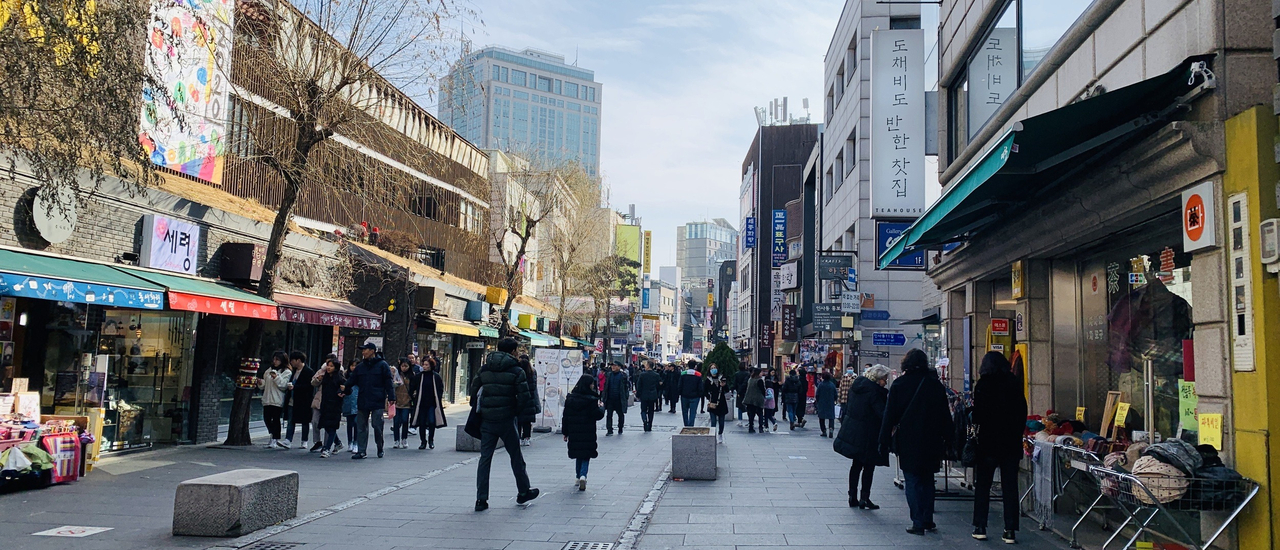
{"x": 400, "y": 424}
{"x": 919, "y": 493}
{"x": 330, "y": 437}
{"x": 689, "y": 409}
{"x": 791, "y": 412}
{"x": 580, "y": 466}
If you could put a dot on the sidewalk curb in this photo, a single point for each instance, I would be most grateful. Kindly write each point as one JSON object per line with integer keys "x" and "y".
{"x": 630, "y": 537}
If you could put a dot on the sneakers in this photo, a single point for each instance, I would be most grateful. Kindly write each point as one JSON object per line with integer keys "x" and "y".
{"x": 720, "y": 438}
{"x": 775, "y": 427}
{"x": 582, "y": 483}
{"x": 357, "y": 456}
{"x": 271, "y": 444}
{"x": 337, "y": 446}
{"x": 325, "y": 454}
{"x": 317, "y": 446}
{"x": 526, "y": 442}
{"x": 482, "y": 505}
{"x": 528, "y": 496}
{"x": 395, "y": 444}
{"x": 980, "y": 533}
{"x": 286, "y": 444}
{"x": 354, "y": 449}
{"x": 1008, "y": 538}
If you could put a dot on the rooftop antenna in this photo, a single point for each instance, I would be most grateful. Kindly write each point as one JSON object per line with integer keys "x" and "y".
{"x": 805, "y": 103}
{"x": 575, "y": 56}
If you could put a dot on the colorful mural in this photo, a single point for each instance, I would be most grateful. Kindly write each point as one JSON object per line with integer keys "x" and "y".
{"x": 189, "y": 49}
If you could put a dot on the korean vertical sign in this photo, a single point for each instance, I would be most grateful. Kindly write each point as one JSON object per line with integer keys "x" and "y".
{"x": 779, "y": 237}
{"x": 993, "y": 75}
{"x": 897, "y": 123}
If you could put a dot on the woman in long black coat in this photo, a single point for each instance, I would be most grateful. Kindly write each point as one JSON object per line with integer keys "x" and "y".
{"x": 859, "y": 437}
{"x": 1000, "y": 415}
{"x": 428, "y": 405}
{"x": 578, "y": 424}
{"x": 330, "y": 384}
{"x": 917, "y": 427}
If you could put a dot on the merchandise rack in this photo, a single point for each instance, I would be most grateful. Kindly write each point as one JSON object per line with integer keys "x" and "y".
{"x": 1146, "y": 498}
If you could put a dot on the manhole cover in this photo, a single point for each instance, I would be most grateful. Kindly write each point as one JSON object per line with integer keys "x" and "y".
{"x": 267, "y": 545}
{"x": 588, "y": 546}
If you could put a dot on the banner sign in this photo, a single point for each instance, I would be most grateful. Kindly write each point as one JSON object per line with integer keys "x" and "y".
{"x": 886, "y": 234}
{"x": 558, "y": 371}
{"x": 789, "y": 323}
{"x": 827, "y": 317}
{"x": 59, "y": 290}
{"x": 897, "y": 130}
{"x": 834, "y": 268}
{"x": 775, "y": 296}
{"x": 993, "y": 75}
{"x": 749, "y": 233}
{"x": 888, "y": 339}
{"x": 779, "y": 237}
{"x": 790, "y": 277}
{"x": 169, "y": 244}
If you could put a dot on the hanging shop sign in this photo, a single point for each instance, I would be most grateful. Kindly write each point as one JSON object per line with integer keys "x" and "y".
{"x": 875, "y": 315}
{"x": 789, "y": 276}
{"x": 53, "y": 211}
{"x": 776, "y": 298}
{"x": 779, "y": 237}
{"x": 1017, "y": 276}
{"x": 886, "y": 234}
{"x": 169, "y": 244}
{"x": 897, "y": 135}
{"x": 789, "y": 323}
{"x": 749, "y": 233}
{"x": 993, "y": 75}
{"x": 827, "y": 317}
{"x": 1000, "y": 327}
{"x": 850, "y": 302}
{"x": 888, "y": 339}
{"x": 23, "y": 286}
{"x": 1198, "y": 218}
{"x": 834, "y": 268}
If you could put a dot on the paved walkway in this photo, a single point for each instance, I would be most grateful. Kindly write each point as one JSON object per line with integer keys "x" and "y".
{"x": 779, "y": 490}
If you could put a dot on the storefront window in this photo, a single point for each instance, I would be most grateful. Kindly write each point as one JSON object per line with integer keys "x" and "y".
{"x": 147, "y": 357}
{"x": 1137, "y": 333}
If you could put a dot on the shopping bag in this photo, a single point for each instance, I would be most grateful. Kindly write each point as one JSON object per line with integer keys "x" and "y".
{"x": 472, "y": 427}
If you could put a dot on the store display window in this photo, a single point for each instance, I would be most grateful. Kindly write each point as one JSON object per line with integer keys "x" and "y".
{"x": 141, "y": 376}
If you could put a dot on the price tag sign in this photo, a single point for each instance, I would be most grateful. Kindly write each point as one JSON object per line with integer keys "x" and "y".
{"x": 1080, "y": 413}
{"x": 1122, "y": 411}
{"x": 1211, "y": 430}
{"x": 1187, "y": 402}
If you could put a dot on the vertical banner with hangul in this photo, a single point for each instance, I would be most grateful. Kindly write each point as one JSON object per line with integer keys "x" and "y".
{"x": 897, "y": 123}
{"x": 779, "y": 238}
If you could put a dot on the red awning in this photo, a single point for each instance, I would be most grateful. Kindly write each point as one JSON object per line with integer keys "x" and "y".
{"x": 220, "y": 306}
{"x": 313, "y": 310}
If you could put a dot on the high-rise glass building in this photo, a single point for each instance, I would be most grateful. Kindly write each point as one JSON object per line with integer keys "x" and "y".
{"x": 701, "y": 247}
{"x": 524, "y": 102}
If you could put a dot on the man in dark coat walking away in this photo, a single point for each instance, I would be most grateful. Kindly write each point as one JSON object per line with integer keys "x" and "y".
{"x": 859, "y": 437}
{"x": 691, "y": 393}
{"x": 614, "y": 394}
{"x": 917, "y": 427}
{"x": 500, "y": 392}
{"x": 672, "y": 387}
{"x": 740, "y": 390}
{"x": 647, "y": 391}
{"x": 1000, "y": 415}
{"x": 373, "y": 377}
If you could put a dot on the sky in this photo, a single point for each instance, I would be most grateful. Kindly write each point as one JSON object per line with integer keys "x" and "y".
{"x": 680, "y": 81}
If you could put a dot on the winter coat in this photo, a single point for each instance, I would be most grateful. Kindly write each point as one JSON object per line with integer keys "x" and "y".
{"x": 1000, "y": 413}
{"x": 404, "y": 392}
{"x": 274, "y": 388}
{"x": 331, "y": 400}
{"x": 373, "y": 377}
{"x": 791, "y": 390}
{"x": 302, "y": 394}
{"x": 428, "y": 403}
{"x": 824, "y": 400}
{"x": 581, "y": 412}
{"x": 771, "y": 398}
{"x": 615, "y": 390}
{"x": 691, "y": 385}
{"x": 349, "y": 401}
{"x": 863, "y": 415}
{"x": 740, "y": 385}
{"x": 647, "y": 385}
{"x": 754, "y": 393}
{"x": 717, "y": 395}
{"x": 505, "y": 390}
{"x": 924, "y": 428}
{"x": 671, "y": 387}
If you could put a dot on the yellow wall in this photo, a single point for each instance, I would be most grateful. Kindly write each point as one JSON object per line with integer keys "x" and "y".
{"x": 1251, "y": 168}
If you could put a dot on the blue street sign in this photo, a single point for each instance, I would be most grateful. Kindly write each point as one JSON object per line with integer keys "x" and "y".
{"x": 779, "y": 237}
{"x": 875, "y": 315}
{"x": 853, "y": 276}
{"x": 888, "y": 339}
{"x": 749, "y": 233}
{"x": 644, "y": 299}
{"x": 886, "y": 234}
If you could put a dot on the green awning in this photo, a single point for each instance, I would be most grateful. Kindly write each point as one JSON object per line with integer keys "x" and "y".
{"x": 487, "y": 331}
{"x": 1039, "y": 153}
{"x": 43, "y": 277}
{"x": 206, "y": 296}
{"x": 538, "y": 339}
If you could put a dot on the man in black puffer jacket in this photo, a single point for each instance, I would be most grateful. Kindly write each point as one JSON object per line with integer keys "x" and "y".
{"x": 501, "y": 395}
{"x": 647, "y": 392}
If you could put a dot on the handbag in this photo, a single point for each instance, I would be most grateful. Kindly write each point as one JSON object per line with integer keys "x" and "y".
{"x": 472, "y": 427}
{"x": 969, "y": 454}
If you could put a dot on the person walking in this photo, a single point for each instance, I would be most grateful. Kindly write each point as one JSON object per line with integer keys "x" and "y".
{"x": 712, "y": 382}
{"x": 403, "y": 382}
{"x": 771, "y": 391}
{"x": 739, "y": 391}
{"x": 427, "y": 411}
{"x": 648, "y": 389}
{"x": 374, "y": 380}
{"x": 501, "y": 393}
{"x": 824, "y": 403}
{"x": 718, "y": 402}
{"x": 350, "y": 410}
{"x": 302, "y": 394}
{"x": 327, "y": 385}
{"x": 846, "y": 384}
{"x": 578, "y": 424}
{"x": 802, "y": 395}
{"x": 917, "y": 427}
{"x": 691, "y": 393}
{"x": 791, "y": 396}
{"x": 526, "y": 426}
{"x": 274, "y": 384}
{"x": 614, "y": 394}
{"x": 672, "y": 378}
{"x": 859, "y": 437}
{"x": 1000, "y": 416}
{"x": 754, "y": 401}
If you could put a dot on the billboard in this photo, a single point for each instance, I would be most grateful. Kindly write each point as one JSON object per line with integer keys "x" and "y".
{"x": 188, "y": 47}
{"x": 897, "y": 131}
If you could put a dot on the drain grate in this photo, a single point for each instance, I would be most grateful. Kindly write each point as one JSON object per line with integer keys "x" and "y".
{"x": 267, "y": 545}
{"x": 588, "y": 546}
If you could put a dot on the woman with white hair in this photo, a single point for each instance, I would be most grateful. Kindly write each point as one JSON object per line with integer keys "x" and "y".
{"x": 859, "y": 437}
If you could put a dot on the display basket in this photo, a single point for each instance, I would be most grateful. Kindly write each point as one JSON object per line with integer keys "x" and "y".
{"x": 1164, "y": 506}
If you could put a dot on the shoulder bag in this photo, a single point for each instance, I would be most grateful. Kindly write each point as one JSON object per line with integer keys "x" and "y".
{"x": 472, "y": 427}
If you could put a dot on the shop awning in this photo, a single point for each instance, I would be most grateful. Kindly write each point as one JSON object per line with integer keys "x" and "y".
{"x": 577, "y": 342}
{"x": 538, "y": 339}
{"x": 204, "y": 296}
{"x": 65, "y": 280}
{"x": 487, "y": 331}
{"x": 314, "y": 310}
{"x": 450, "y": 326}
{"x": 1039, "y": 153}
{"x": 930, "y": 319}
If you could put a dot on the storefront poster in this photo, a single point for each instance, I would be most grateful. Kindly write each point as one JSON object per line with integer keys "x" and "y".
{"x": 7, "y": 308}
{"x": 1211, "y": 430}
{"x": 6, "y": 330}
{"x": 558, "y": 371}
{"x": 1122, "y": 413}
{"x": 1187, "y": 403}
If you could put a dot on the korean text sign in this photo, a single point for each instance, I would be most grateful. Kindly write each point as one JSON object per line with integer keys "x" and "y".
{"x": 169, "y": 244}
{"x": 897, "y": 123}
{"x": 779, "y": 237}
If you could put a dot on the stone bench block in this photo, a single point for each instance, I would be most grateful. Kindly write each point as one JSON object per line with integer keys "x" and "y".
{"x": 231, "y": 504}
{"x": 466, "y": 443}
{"x": 693, "y": 454}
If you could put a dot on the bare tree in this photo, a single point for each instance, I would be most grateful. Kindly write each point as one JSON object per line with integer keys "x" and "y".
{"x": 613, "y": 276}
{"x": 569, "y": 247}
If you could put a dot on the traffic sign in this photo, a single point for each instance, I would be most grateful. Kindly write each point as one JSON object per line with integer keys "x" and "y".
{"x": 873, "y": 353}
{"x": 888, "y": 339}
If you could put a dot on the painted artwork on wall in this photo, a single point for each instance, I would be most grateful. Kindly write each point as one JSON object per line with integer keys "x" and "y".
{"x": 188, "y": 50}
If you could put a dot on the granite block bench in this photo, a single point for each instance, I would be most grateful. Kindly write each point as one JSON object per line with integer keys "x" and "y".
{"x": 234, "y": 503}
